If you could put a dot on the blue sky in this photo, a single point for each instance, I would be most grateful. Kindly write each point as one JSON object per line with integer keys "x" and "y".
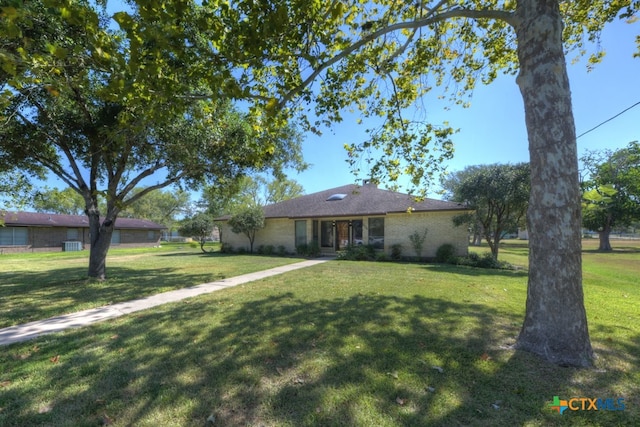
{"x": 492, "y": 129}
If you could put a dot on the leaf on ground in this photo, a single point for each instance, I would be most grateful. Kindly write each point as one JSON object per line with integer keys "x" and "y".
{"x": 394, "y": 374}
{"x": 401, "y": 401}
{"x": 438, "y": 368}
{"x": 55, "y": 359}
{"x": 114, "y": 337}
{"x": 45, "y": 408}
{"x": 4, "y": 383}
{"x": 485, "y": 357}
{"x": 106, "y": 420}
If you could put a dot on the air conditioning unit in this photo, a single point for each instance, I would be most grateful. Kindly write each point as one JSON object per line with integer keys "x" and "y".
{"x": 70, "y": 246}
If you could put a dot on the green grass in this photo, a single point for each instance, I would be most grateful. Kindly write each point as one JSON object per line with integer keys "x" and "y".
{"x": 40, "y": 285}
{"x": 338, "y": 344}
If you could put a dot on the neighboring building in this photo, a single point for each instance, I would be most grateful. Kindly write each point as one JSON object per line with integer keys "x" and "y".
{"x": 28, "y": 231}
{"x": 354, "y": 215}
{"x": 523, "y": 234}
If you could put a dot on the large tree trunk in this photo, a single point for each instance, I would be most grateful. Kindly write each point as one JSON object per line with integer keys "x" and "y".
{"x": 605, "y": 243}
{"x": 100, "y": 239}
{"x": 555, "y": 325}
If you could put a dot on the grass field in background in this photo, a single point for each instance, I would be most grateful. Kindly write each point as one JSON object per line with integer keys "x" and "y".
{"x": 338, "y": 344}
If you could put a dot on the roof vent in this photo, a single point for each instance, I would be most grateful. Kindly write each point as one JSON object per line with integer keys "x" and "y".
{"x": 338, "y": 196}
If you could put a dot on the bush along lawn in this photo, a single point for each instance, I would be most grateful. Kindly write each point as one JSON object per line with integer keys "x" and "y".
{"x": 338, "y": 344}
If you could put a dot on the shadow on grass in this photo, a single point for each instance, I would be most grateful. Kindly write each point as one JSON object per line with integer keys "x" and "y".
{"x": 196, "y": 254}
{"x": 28, "y": 296}
{"x": 476, "y": 271}
{"x": 357, "y": 361}
{"x": 615, "y": 251}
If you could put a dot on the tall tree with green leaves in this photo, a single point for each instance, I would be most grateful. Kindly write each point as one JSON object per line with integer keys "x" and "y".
{"x": 382, "y": 56}
{"x": 15, "y": 190}
{"x": 200, "y": 227}
{"x": 611, "y": 194}
{"x": 162, "y": 206}
{"x": 249, "y": 191}
{"x": 248, "y": 221}
{"x": 53, "y": 200}
{"x": 499, "y": 196}
{"x": 105, "y": 110}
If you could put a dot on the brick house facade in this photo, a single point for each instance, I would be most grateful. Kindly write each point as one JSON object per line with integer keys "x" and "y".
{"x": 355, "y": 215}
{"x": 36, "y": 232}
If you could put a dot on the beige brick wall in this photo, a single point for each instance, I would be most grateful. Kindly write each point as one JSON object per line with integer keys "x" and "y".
{"x": 440, "y": 230}
{"x": 398, "y": 228}
{"x": 277, "y": 232}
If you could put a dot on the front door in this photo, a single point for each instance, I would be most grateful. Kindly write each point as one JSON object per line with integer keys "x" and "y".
{"x": 342, "y": 235}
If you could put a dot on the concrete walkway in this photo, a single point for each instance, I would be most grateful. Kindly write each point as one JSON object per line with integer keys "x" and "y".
{"x": 27, "y": 331}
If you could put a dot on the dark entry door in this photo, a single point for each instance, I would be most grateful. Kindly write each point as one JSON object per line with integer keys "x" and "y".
{"x": 342, "y": 234}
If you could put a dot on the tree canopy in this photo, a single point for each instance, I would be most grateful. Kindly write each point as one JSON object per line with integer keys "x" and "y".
{"x": 611, "y": 193}
{"x": 200, "y": 226}
{"x": 499, "y": 195}
{"x": 161, "y": 206}
{"x": 53, "y": 200}
{"x": 248, "y": 221}
{"x": 249, "y": 191}
{"x": 104, "y": 110}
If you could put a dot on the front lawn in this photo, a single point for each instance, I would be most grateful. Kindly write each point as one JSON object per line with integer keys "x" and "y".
{"x": 339, "y": 344}
{"x": 36, "y": 286}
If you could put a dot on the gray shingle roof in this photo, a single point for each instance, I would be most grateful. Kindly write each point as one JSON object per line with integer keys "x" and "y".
{"x": 359, "y": 200}
{"x": 76, "y": 221}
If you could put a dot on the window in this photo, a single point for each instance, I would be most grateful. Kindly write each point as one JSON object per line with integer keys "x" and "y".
{"x": 72, "y": 234}
{"x": 151, "y": 235}
{"x": 13, "y": 236}
{"x": 301, "y": 233}
{"x": 326, "y": 234}
{"x": 356, "y": 229}
{"x": 316, "y": 236}
{"x": 376, "y": 232}
{"x": 115, "y": 237}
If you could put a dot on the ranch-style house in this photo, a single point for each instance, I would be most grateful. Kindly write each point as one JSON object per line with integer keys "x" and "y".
{"x": 34, "y": 232}
{"x": 355, "y": 215}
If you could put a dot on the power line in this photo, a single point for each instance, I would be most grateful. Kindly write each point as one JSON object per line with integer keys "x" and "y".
{"x": 609, "y": 119}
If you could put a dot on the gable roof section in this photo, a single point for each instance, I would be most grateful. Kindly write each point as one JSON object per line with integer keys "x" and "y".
{"x": 32, "y": 219}
{"x": 359, "y": 200}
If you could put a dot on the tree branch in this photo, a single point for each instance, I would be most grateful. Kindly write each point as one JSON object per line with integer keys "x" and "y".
{"x": 149, "y": 189}
{"x": 507, "y": 17}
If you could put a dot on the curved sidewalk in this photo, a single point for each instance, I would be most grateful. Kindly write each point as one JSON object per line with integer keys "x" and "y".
{"x": 27, "y": 331}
